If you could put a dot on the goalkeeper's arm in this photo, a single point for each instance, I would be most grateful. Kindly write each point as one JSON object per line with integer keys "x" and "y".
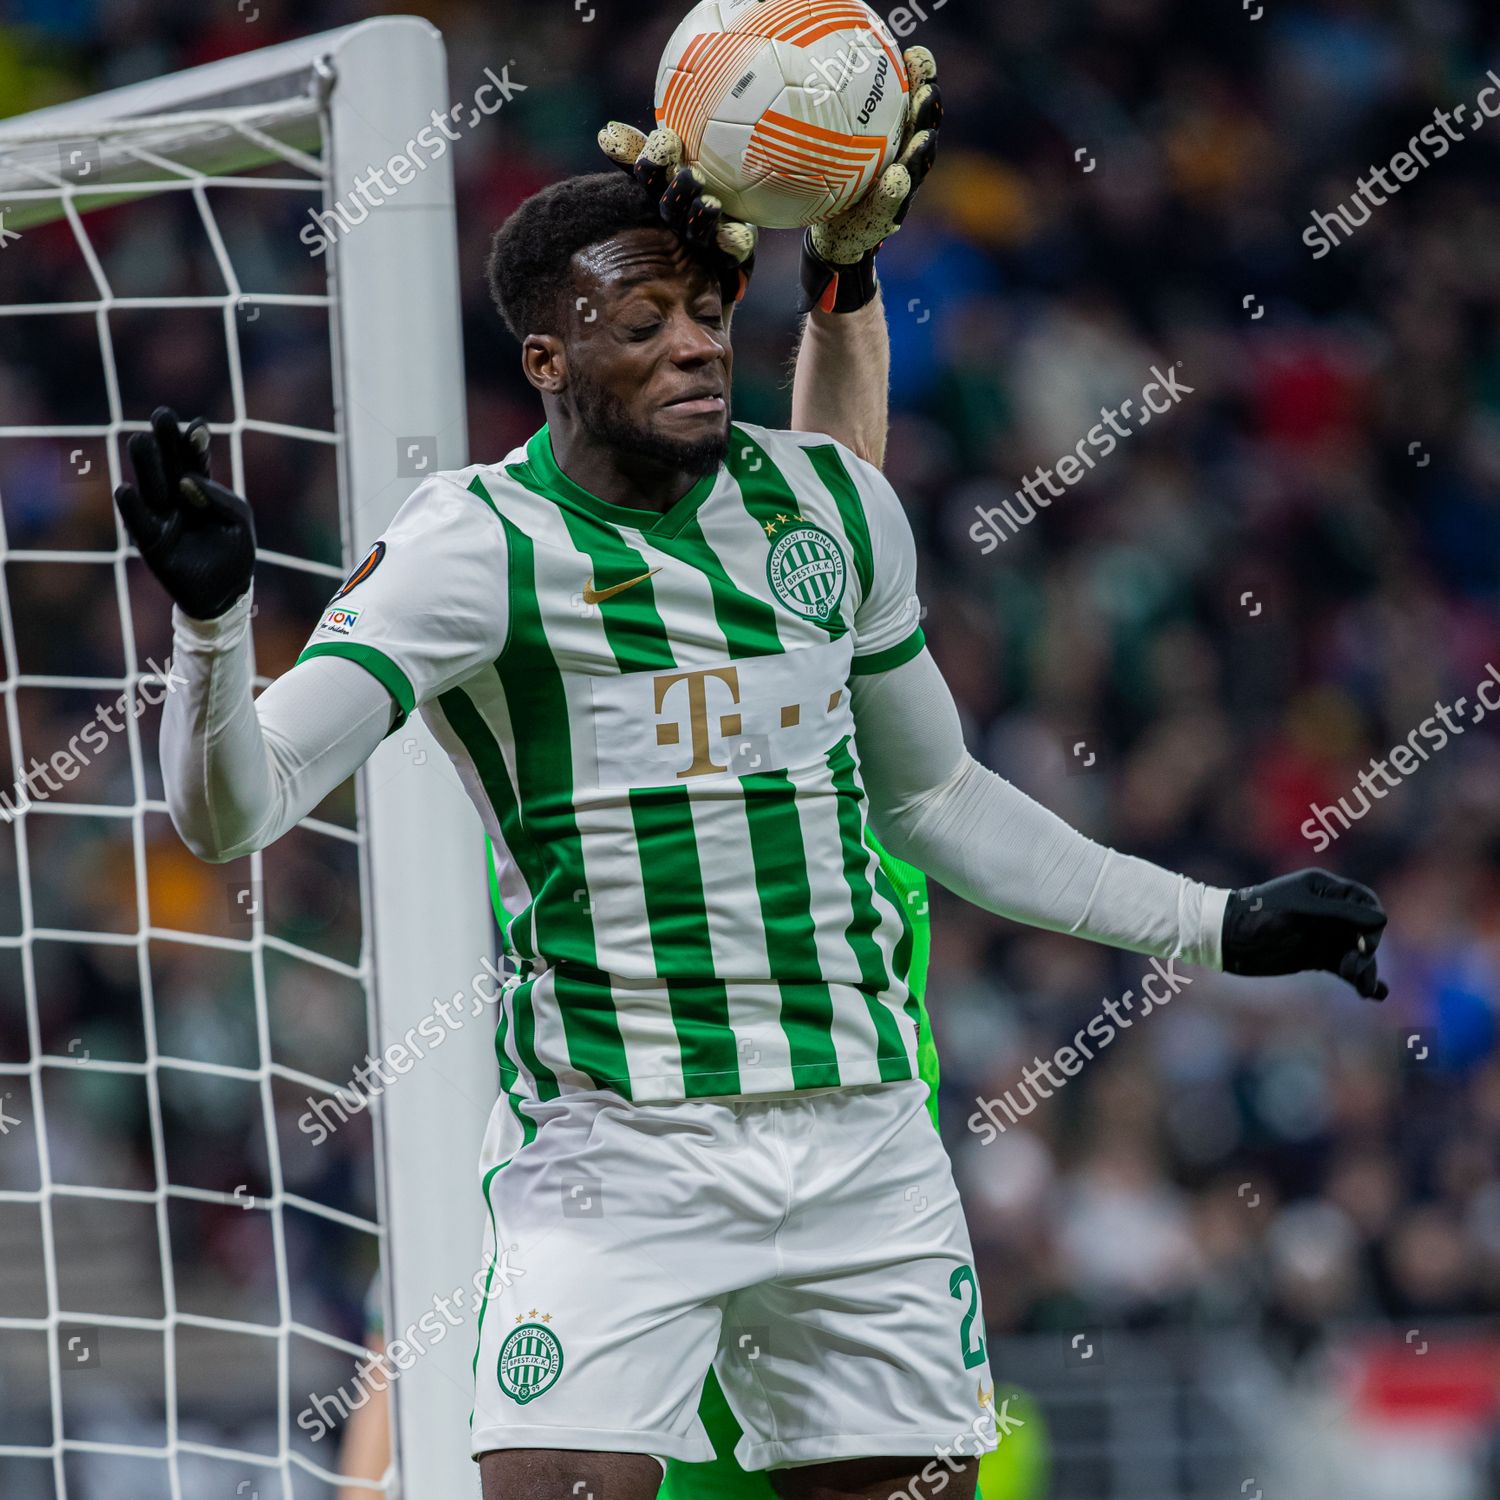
{"x": 841, "y": 384}
{"x": 842, "y": 380}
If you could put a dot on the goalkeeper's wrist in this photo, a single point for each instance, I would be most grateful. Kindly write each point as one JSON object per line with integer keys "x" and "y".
{"x": 831, "y": 288}
{"x": 218, "y": 633}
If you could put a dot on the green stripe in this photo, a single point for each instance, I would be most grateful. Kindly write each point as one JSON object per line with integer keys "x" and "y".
{"x": 677, "y": 913}
{"x": 875, "y": 978}
{"x": 528, "y": 1134}
{"x": 591, "y": 1028}
{"x": 468, "y": 723}
{"x": 781, "y": 882}
{"x": 378, "y": 665}
{"x": 535, "y": 699}
{"x": 748, "y": 623}
{"x": 525, "y": 1038}
{"x": 928, "y": 1069}
{"x": 902, "y": 958}
{"x": 489, "y": 1275}
{"x": 496, "y": 904}
{"x": 892, "y": 656}
{"x": 508, "y": 1073}
{"x": 768, "y": 497}
{"x": 476, "y": 487}
{"x": 837, "y": 480}
{"x": 905, "y": 887}
{"x": 910, "y": 886}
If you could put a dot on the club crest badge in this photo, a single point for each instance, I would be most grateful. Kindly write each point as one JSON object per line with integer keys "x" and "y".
{"x": 807, "y": 571}
{"x": 531, "y": 1359}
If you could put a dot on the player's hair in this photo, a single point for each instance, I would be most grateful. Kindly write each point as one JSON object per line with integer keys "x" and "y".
{"x": 528, "y": 267}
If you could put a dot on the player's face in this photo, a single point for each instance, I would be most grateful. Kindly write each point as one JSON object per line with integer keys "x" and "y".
{"x": 648, "y": 351}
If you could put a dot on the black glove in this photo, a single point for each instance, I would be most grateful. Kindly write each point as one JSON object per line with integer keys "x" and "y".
{"x": 195, "y": 535}
{"x": 687, "y": 207}
{"x": 838, "y": 257}
{"x": 1307, "y": 920}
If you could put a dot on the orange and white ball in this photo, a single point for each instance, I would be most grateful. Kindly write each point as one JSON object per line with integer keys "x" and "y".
{"x": 790, "y": 108}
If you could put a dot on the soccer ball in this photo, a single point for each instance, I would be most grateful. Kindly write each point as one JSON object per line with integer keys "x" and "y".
{"x": 790, "y": 108}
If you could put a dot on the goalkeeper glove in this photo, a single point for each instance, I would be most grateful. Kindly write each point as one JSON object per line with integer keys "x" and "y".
{"x": 195, "y": 535}
{"x": 1307, "y": 920}
{"x": 695, "y": 215}
{"x": 838, "y": 257}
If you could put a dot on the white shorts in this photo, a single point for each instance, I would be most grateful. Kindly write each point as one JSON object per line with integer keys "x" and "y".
{"x": 810, "y": 1248}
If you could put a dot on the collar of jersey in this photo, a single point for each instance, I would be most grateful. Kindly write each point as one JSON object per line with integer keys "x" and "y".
{"x": 541, "y": 472}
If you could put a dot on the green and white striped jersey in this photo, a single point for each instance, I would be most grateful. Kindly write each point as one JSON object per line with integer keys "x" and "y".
{"x": 651, "y": 713}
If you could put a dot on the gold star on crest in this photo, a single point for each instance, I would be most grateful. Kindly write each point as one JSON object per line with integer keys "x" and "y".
{"x": 770, "y": 528}
{"x": 546, "y": 1317}
{"x": 532, "y": 1313}
{"x": 783, "y": 519}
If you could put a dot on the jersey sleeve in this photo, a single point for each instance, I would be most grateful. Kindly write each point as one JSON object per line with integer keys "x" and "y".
{"x": 888, "y": 622}
{"x": 427, "y": 606}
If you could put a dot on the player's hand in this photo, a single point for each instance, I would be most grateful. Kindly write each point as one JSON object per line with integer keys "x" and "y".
{"x": 195, "y": 535}
{"x": 1307, "y": 920}
{"x": 838, "y": 258}
{"x": 655, "y": 161}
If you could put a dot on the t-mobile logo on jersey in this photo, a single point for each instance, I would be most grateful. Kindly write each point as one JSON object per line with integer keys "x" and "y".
{"x": 725, "y": 719}
{"x": 669, "y": 731}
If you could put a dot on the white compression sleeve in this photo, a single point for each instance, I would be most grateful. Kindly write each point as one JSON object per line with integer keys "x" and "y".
{"x": 933, "y": 804}
{"x": 239, "y": 772}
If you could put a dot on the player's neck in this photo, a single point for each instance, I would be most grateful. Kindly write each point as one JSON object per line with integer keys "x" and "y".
{"x": 631, "y": 479}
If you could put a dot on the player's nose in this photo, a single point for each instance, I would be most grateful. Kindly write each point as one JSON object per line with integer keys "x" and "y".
{"x": 692, "y": 342}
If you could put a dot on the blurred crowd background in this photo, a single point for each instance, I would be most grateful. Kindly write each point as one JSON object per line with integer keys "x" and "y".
{"x": 1239, "y": 607}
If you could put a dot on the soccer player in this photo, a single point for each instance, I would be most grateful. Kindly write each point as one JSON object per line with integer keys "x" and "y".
{"x": 677, "y": 662}
{"x": 840, "y": 387}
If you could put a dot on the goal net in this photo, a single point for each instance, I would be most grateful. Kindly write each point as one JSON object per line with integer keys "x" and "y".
{"x": 219, "y": 1124}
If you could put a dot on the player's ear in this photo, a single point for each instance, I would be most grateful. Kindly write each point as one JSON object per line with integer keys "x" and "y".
{"x": 545, "y": 362}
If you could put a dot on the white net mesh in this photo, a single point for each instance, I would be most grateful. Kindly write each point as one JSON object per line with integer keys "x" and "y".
{"x": 178, "y": 1268}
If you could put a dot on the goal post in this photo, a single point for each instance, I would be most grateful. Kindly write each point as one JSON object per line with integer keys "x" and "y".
{"x": 326, "y": 109}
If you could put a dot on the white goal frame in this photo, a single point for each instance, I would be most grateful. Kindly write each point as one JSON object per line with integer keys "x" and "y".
{"x": 398, "y": 369}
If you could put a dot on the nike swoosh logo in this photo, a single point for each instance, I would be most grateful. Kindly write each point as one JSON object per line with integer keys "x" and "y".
{"x": 591, "y": 596}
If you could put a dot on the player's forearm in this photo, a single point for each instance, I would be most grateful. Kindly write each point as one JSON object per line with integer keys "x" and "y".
{"x": 238, "y": 774}
{"x": 932, "y": 804}
{"x": 997, "y": 848}
{"x": 842, "y": 380}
